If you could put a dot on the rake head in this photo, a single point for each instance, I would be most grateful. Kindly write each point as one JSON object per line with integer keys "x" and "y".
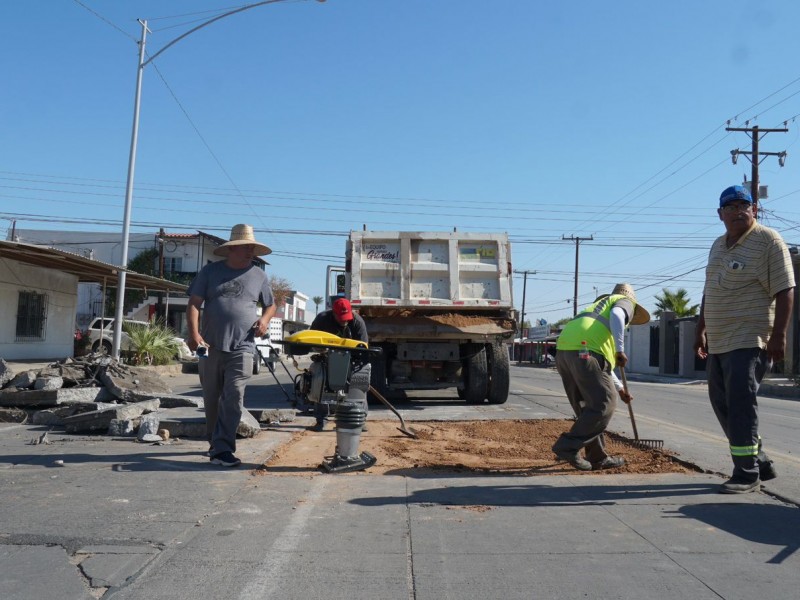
{"x": 648, "y": 444}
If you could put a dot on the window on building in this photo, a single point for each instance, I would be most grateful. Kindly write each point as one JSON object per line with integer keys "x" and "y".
{"x": 31, "y": 316}
{"x": 173, "y": 264}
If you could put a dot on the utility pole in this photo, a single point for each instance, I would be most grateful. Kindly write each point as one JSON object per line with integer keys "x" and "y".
{"x": 577, "y": 241}
{"x": 160, "y": 310}
{"x": 522, "y": 312}
{"x": 754, "y": 156}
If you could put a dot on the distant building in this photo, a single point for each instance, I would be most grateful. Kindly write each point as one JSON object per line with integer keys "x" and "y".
{"x": 179, "y": 257}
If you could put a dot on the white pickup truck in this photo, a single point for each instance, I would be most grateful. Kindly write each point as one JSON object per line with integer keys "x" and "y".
{"x": 101, "y": 332}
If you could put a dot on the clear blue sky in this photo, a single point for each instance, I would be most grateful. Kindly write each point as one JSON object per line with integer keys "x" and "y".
{"x": 541, "y": 119}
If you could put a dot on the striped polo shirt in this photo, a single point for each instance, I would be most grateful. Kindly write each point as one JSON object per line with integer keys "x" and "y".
{"x": 741, "y": 283}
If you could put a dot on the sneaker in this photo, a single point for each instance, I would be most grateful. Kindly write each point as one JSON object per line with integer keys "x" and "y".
{"x": 225, "y": 459}
{"x": 572, "y": 458}
{"x": 766, "y": 470}
{"x": 737, "y": 485}
{"x": 609, "y": 462}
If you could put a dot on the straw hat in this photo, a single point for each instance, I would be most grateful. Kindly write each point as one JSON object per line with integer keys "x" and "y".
{"x": 241, "y": 235}
{"x": 640, "y": 314}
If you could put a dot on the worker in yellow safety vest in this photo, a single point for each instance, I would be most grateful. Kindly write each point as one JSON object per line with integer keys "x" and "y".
{"x": 590, "y": 346}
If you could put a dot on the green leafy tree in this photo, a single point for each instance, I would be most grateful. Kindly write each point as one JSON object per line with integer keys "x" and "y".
{"x": 559, "y": 325}
{"x": 146, "y": 263}
{"x": 317, "y": 300}
{"x": 676, "y": 302}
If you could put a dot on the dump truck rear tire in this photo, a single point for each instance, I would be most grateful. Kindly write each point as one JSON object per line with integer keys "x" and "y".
{"x": 499, "y": 379}
{"x": 476, "y": 375}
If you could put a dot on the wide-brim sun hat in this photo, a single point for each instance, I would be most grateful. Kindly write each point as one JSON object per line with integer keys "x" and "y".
{"x": 242, "y": 235}
{"x": 640, "y": 314}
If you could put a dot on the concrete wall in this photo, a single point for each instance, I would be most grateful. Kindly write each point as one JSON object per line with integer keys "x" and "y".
{"x": 62, "y": 297}
{"x": 637, "y": 346}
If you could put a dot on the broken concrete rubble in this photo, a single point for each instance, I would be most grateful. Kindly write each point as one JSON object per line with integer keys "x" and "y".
{"x": 97, "y": 394}
{"x": 99, "y": 420}
{"x": 49, "y": 398}
{"x": 13, "y": 415}
{"x": 48, "y": 383}
{"x": 23, "y": 380}
{"x": 6, "y": 374}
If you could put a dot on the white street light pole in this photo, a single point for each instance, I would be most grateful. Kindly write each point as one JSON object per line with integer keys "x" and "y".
{"x": 126, "y": 223}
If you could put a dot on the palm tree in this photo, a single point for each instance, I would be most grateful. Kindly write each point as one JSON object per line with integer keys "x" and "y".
{"x": 317, "y": 300}
{"x": 677, "y": 302}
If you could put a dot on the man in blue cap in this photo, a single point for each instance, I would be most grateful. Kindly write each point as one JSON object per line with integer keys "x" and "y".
{"x": 747, "y": 302}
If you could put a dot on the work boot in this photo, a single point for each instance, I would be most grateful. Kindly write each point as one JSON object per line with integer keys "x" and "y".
{"x": 766, "y": 470}
{"x": 609, "y": 462}
{"x": 318, "y": 426}
{"x": 740, "y": 485}
{"x": 574, "y": 459}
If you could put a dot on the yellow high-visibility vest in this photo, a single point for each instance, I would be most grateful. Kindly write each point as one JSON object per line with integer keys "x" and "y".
{"x": 592, "y": 326}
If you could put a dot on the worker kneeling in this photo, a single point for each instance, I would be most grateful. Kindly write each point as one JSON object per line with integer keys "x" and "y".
{"x": 339, "y": 376}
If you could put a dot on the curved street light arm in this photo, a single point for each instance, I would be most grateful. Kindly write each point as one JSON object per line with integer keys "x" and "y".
{"x": 209, "y": 22}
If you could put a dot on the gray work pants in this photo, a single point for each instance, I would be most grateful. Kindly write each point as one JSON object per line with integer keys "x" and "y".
{"x": 593, "y": 396}
{"x": 224, "y": 376}
{"x": 733, "y": 381}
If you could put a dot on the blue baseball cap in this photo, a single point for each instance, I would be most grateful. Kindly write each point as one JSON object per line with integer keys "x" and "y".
{"x": 735, "y": 192}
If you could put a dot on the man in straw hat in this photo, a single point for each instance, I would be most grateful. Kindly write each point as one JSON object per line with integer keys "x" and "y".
{"x": 747, "y": 302}
{"x": 229, "y": 291}
{"x": 588, "y": 349}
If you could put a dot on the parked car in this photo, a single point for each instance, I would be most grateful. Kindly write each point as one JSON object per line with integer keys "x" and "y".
{"x": 101, "y": 333}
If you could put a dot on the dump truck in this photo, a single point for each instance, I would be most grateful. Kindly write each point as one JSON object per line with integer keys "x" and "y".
{"x": 438, "y": 304}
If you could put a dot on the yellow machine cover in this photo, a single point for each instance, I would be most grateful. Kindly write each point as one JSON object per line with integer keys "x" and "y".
{"x": 313, "y": 337}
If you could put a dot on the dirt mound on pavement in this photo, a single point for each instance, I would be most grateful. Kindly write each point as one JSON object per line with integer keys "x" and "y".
{"x": 501, "y": 447}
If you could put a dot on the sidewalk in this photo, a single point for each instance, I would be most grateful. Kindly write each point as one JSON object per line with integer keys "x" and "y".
{"x": 131, "y": 521}
{"x": 776, "y": 386}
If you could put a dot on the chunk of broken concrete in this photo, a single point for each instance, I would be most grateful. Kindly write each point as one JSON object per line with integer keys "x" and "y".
{"x": 48, "y": 383}
{"x": 122, "y": 427}
{"x": 23, "y": 380}
{"x": 45, "y": 398}
{"x": 13, "y": 415}
{"x": 99, "y": 420}
{"x": 248, "y": 426}
{"x": 55, "y": 416}
{"x": 6, "y": 374}
{"x": 273, "y": 415}
{"x": 148, "y": 425}
{"x": 178, "y": 401}
{"x": 133, "y": 384}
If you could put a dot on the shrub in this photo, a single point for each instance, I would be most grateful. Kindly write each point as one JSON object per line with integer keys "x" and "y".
{"x": 152, "y": 344}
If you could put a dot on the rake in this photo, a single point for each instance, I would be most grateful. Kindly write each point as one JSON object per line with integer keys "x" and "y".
{"x": 647, "y": 444}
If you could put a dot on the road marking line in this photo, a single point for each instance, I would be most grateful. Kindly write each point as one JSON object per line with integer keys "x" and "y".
{"x": 277, "y": 558}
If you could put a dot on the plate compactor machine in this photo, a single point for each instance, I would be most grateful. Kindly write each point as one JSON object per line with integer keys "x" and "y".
{"x": 339, "y": 376}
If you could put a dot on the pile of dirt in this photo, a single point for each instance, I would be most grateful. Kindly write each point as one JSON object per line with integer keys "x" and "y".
{"x": 521, "y": 447}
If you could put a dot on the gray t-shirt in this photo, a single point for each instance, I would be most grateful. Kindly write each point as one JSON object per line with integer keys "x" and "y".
{"x": 230, "y": 299}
